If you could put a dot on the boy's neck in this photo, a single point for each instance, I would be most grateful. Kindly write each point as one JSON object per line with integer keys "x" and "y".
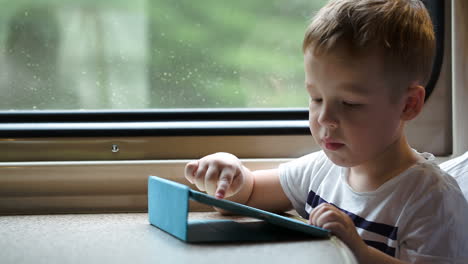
{"x": 370, "y": 175}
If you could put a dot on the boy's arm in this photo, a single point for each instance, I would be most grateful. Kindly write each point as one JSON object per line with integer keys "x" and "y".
{"x": 267, "y": 193}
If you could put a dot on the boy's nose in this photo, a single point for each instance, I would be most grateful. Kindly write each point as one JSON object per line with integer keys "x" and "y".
{"x": 327, "y": 118}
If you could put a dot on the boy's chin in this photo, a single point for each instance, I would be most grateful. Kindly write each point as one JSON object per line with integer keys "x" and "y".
{"x": 339, "y": 159}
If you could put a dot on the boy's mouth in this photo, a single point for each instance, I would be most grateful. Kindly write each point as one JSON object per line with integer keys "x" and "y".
{"x": 333, "y": 146}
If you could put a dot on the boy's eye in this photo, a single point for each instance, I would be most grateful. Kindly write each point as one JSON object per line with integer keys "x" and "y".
{"x": 350, "y": 104}
{"x": 316, "y": 100}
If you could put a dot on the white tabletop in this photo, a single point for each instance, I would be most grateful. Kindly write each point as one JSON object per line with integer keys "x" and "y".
{"x": 129, "y": 238}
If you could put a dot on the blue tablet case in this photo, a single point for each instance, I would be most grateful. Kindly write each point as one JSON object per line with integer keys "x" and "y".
{"x": 168, "y": 207}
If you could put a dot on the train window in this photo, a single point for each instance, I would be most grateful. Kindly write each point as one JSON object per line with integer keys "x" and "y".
{"x": 79, "y": 71}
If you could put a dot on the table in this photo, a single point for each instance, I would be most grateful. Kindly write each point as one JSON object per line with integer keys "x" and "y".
{"x": 129, "y": 238}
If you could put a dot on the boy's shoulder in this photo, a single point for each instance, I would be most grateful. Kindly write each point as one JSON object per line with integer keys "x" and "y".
{"x": 428, "y": 174}
{"x": 430, "y": 184}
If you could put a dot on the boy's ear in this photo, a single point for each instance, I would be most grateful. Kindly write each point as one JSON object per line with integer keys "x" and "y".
{"x": 414, "y": 102}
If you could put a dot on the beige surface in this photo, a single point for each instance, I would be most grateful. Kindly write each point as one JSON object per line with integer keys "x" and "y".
{"x": 89, "y": 187}
{"x": 129, "y": 238}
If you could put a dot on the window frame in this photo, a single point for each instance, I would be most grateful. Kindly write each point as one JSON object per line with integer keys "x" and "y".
{"x": 177, "y": 122}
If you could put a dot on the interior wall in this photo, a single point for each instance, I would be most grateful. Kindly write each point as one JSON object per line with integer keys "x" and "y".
{"x": 460, "y": 76}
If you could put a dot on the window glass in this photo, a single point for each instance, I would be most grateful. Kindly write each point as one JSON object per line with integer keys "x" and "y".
{"x": 139, "y": 54}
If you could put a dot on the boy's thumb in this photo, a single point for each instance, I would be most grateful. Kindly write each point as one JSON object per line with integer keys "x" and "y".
{"x": 190, "y": 170}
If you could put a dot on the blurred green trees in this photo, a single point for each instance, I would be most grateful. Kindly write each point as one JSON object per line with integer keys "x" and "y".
{"x": 152, "y": 54}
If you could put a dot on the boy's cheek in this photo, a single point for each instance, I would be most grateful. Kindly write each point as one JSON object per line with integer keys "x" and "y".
{"x": 313, "y": 121}
{"x": 314, "y": 132}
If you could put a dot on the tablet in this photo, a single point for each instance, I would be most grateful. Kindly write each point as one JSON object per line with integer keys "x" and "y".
{"x": 168, "y": 207}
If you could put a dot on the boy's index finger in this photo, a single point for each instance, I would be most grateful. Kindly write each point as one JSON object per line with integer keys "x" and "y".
{"x": 220, "y": 194}
{"x": 223, "y": 185}
{"x": 224, "y": 182}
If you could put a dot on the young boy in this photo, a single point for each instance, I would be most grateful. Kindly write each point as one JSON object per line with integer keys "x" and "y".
{"x": 366, "y": 62}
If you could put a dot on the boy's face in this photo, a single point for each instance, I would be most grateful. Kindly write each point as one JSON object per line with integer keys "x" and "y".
{"x": 351, "y": 115}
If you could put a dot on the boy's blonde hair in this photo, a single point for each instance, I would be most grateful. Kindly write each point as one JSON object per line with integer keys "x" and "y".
{"x": 401, "y": 30}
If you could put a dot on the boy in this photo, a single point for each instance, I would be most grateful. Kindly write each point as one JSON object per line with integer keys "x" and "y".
{"x": 365, "y": 64}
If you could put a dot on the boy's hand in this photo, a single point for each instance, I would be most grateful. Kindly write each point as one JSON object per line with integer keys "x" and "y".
{"x": 220, "y": 174}
{"x": 340, "y": 224}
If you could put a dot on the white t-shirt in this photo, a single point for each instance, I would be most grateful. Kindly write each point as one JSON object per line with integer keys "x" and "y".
{"x": 419, "y": 216}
